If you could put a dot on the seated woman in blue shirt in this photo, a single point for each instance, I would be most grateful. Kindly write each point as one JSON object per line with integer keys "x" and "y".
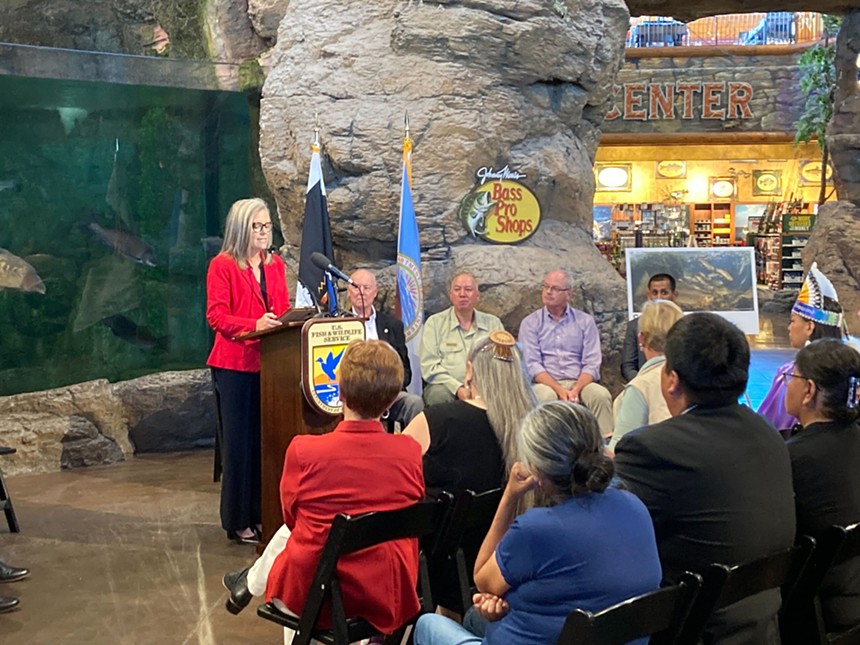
{"x": 592, "y": 548}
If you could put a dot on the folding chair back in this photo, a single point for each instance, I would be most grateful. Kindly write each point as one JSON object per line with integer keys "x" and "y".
{"x": 469, "y": 520}
{"x": 348, "y": 535}
{"x": 801, "y": 622}
{"x": 725, "y": 585}
{"x": 659, "y": 614}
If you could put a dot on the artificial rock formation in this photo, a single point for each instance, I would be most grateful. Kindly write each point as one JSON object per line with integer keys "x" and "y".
{"x": 835, "y": 245}
{"x": 101, "y": 423}
{"x": 843, "y": 133}
{"x": 484, "y": 84}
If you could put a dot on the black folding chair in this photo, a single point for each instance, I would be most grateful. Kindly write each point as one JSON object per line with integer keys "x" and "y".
{"x": 469, "y": 520}
{"x": 659, "y": 614}
{"x": 725, "y": 585}
{"x": 801, "y": 621}
{"x": 348, "y": 535}
{"x": 6, "y": 499}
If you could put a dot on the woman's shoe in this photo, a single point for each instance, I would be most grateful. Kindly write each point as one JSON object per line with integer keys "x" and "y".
{"x": 254, "y": 538}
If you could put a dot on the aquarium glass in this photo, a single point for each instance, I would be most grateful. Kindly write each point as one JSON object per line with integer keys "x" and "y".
{"x": 112, "y": 201}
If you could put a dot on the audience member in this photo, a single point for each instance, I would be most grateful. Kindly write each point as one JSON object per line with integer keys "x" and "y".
{"x": 816, "y": 314}
{"x": 661, "y": 286}
{"x": 449, "y": 336}
{"x": 357, "y": 468}
{"x": 823, "y": 393}
{"x": 561, "y": 348}
{"x": 592, "y": 548}
{"x": 381, "y": 326}
{"x": 471, "y": 444}
{"x": 641, "y": 402}
{"x": 8, "y": 573}
{"x": 715, "y": 477}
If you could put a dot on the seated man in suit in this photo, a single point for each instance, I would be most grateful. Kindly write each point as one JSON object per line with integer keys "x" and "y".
{"x": 561, "y": 349}
{"x": 449, "y": 337}
{"x": 715, "y": 477}
{"x": 661, "y": 286}
{"x": 381, "y": 326}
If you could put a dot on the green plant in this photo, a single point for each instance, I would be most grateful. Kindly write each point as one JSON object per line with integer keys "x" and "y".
{"x": 818, "y": 84}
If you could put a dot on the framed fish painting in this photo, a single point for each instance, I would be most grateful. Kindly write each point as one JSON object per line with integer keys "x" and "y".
{"x": 718, "y": 280}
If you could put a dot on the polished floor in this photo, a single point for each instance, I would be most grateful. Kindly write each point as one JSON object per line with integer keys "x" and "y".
{"x": 125, "y": 554}
{"x": 134, "y": 554}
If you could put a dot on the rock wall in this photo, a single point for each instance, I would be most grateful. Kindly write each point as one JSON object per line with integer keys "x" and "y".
{"x": 484, "y": 84}
{"x": 843, "y": 133}
{"x": 219, "y": 30}
{"x": 101, "y": 423}
{"x": 835, "y": 245}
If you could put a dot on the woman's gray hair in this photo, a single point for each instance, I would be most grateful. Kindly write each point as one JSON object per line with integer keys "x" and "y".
{"x": 562, "y": 442}
{"x": 502, "y": 382}
{"x": 237, "y": 230}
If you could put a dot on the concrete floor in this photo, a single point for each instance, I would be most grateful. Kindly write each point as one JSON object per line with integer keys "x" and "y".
{"x": 125, "y": 554}
{"x": 134, "y": 553}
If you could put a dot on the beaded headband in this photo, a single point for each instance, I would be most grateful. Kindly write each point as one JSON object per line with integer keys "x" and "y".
{"x": 810, "y": 300}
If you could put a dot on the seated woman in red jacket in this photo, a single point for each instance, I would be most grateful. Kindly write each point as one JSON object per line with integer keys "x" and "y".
{"x": 357, "y": 468}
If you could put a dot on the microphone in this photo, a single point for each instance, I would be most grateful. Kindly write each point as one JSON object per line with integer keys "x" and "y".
{"x": 321, "y": 261}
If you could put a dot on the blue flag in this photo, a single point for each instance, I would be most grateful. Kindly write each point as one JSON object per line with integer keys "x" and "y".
{"x": 410, "y": 292}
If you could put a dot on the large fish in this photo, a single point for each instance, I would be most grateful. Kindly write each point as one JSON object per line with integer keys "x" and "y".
{"x": 130, "y": 332}
{"x": 16, "y": 273}
{"x": 10, "y": 184}
{"x": 124, "y": 244}
{"x": 473, "y": 211}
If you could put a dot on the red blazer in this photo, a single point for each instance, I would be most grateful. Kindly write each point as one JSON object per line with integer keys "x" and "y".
{"x": 355, "y": 469}
{"x": 234, "y": 303}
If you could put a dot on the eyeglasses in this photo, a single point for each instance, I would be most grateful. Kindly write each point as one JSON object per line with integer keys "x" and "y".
{"x": 786, "y": 378}
{"x": 261, "y": 226}
{"x": 553, "y": 289}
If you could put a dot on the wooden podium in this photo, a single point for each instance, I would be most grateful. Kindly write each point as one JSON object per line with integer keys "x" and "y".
{"x": 284, "y": 412}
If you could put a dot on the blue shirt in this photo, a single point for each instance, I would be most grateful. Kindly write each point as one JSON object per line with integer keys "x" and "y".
{"x": 589, "y": 552}
{"x": 563, "y": 348}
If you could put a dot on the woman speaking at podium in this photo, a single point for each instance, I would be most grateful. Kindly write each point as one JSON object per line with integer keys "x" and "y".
{"x": 246, "y": 291}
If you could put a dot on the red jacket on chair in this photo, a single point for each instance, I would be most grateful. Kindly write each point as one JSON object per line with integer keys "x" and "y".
{"x": 234, "y": 303}
{"x": 358, "y": 468}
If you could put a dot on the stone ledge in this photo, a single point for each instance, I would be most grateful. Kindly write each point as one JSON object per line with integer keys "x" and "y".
{"x": 101, "y": 423}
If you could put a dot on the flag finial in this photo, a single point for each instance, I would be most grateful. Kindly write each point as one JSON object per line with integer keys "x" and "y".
{"x": 316, "y": 129}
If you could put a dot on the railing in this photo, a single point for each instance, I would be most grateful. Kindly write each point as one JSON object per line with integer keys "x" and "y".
{"x": 772, "y": 28}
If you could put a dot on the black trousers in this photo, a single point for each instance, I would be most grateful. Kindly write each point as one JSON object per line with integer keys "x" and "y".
{"x": 238, "y": 398}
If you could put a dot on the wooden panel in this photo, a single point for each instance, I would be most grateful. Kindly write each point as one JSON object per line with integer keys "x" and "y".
{"x": 284, "y": 413}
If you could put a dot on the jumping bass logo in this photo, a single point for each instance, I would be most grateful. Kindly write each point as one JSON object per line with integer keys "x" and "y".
{"x": 500, "y": 208}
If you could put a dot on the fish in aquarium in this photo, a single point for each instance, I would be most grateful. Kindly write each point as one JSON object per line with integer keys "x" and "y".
{"x": 10, "y": 184}
{"x": 129, "y": 331}
{"x": 124, "y": 244}
{"x": 16, "y": 273}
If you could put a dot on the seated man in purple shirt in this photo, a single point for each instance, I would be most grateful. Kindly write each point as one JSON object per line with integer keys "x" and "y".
{"x": 561, "y": 351}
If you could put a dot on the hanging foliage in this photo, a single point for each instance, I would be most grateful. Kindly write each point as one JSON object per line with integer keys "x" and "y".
{"x": 818, "y": 84}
